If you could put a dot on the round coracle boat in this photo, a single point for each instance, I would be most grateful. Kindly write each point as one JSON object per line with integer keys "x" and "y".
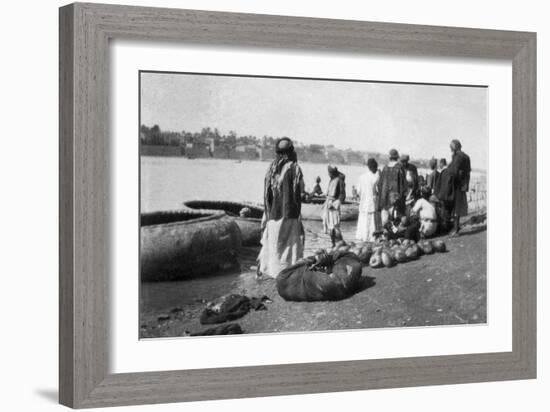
{"x": 183, "y": 244}
{"x": 313, "y": 209}
{"x": 247, "y": 216}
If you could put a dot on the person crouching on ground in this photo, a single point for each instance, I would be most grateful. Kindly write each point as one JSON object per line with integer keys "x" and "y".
{"x": 317, "y": 191}
{"x": 367, "y": 191}
{"x": 426, "y": 214}
{"x": 395, "y": 222}
{"x": 336, "y": 194}
{"x": 283, "y": 234}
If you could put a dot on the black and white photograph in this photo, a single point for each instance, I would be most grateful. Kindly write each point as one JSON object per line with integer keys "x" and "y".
{"x": 275, "y": 206}
{"x": 281, "y": 205}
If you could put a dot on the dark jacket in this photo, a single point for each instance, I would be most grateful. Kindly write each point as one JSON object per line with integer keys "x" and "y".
{"x": 461, "y": 169}
{"x": 444, "y": 186}
{"x": 317, "y": 190}
{"x": 392, "y": 179}
{"x": 431, "y": 179}
{"x": 284, "y": 200}
{"x": 414, "y": 172}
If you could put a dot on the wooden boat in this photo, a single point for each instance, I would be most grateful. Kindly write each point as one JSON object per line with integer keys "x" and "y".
{"x": 312, "y": 210}
{"x": 250, "y": 226}
{"x": 182, "y": 244}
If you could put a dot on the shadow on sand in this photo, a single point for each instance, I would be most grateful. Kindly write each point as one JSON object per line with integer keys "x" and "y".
{"x": 472, "y": 231}
{"x": 366, "y": 283}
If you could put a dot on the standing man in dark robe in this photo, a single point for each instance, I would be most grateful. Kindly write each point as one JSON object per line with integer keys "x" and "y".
{"x": 432, "y": 176}
{"x": 411, "y": 178}
{"x": 283, "y": 234}
{"x": 391, "y": 188}
{"x": 444, "y": 192}
{"x": 460, "y": 169}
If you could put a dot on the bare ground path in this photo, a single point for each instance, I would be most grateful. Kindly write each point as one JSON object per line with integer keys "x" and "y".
{"x": 440, "y": 289}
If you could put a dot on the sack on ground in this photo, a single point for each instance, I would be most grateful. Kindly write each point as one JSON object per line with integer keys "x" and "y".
{"x": 302, "y": 283}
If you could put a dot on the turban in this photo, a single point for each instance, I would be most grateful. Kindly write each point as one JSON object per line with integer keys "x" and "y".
{"x": 284, "y": 145}
{"x": 456, "y": 144}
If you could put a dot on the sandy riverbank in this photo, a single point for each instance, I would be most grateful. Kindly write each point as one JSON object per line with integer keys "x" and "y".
{"x": 440, "y": 289}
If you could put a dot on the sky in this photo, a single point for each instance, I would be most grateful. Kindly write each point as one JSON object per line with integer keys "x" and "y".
{"x": 419, "y": 120}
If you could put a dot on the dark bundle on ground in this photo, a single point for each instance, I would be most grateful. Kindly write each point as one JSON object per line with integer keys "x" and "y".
{"x": 301, "y": 282}
{"x": 230, "y": 307}
{"x": 227, "y": 329}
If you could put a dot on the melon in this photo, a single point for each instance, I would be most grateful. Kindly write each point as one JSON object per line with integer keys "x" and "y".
{"x": 427, "y": 247}
{"x": 400, "y": 256}
{"x": 365, "y": 255}
{"x": 376, "y": 261}
{"x": 387, "y": 259}
{"x": 412, "y": 252}
{"x": 439, "y": 246}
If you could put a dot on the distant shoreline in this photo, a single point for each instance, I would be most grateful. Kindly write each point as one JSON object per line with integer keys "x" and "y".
{"x": 481, "y": 171}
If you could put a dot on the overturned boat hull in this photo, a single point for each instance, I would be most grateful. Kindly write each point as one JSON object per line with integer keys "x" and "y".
{"x": 249, "y": 226}
{"x": 183, "y": 244}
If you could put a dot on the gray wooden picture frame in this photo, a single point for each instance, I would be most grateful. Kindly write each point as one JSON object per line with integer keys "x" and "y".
{"x": 85, "y": 31}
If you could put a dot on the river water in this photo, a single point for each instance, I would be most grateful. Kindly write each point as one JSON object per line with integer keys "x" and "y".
{"x": 166, "y": 182}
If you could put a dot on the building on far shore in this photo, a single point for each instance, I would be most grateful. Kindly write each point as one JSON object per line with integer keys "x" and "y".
{"x": 354, "y": 157}
{"x": 197, "y": 149}
{"x": 210, "y": 143}
{"x": 247, "y": 152}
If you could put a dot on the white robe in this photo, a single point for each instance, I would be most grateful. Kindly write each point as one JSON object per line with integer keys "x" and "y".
{"x": 428, "y": 216}
{"x": 366, "y": 223}
{"x": 282, "y": 245}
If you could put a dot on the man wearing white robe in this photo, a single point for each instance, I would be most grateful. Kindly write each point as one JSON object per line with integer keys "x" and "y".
{"x": 427, "y": 215}
{"x": 367, "y": 190}
{"x": 283, "y": 234}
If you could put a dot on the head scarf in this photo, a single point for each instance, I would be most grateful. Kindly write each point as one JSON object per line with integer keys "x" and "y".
{"x": 455, "y": 143}
{"x": 372, "y": 165}
{"x": 285, "y": 162}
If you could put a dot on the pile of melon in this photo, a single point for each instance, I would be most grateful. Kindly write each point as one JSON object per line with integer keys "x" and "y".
{"x": 386, "y": 253}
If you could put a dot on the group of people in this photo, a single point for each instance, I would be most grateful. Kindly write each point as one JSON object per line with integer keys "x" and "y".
{"x": 398, "y": 202}
{"x": 393, "y": 202}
